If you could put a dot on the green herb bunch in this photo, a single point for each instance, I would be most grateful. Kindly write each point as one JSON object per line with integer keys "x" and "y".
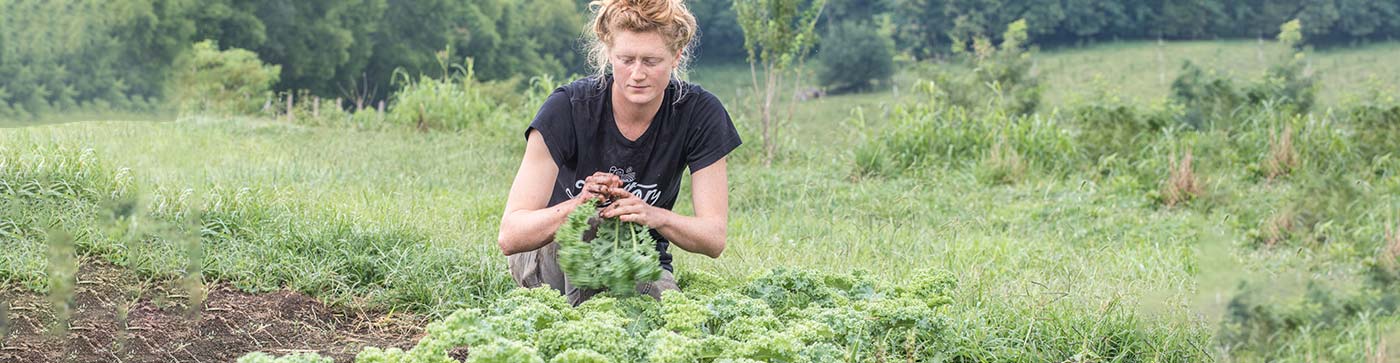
{"x": 600, "y": 253}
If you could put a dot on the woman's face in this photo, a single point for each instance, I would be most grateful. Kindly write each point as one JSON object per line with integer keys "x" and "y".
{"x": 641, "y": 66}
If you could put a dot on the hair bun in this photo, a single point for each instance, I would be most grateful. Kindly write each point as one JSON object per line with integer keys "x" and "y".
{"x": 658, "y": 11}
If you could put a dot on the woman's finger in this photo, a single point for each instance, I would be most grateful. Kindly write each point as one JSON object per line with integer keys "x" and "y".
{"x": 608, "y": 179}
{"x": 621, "y": 209}
{"x": 620, "y": 193}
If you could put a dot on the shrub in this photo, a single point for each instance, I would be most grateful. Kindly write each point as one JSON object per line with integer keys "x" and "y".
{"x": 1214, "y": 101}
{"x": 1205, "y": 96}
{"x": 1106, "y": 129}
{"x": 1181, "y": 185}
{"x": 1001, "y": 78}
{"x": 1281, "y": 159}
{"x": 460, "y": 102}
{"x": 1376, "y": 128}
{"x": 231, "y": 81}
{"x": 855, "y": 58}
{"x": 928, "y": 132}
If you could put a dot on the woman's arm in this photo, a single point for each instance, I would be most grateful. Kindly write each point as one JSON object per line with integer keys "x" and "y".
{"x": 705, "y": 232}
{"x": 527, "y": 225}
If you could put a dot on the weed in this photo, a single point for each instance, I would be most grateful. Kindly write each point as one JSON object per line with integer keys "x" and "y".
{"x": 1282, "y": 158}
{"x": 1181, "y": 185}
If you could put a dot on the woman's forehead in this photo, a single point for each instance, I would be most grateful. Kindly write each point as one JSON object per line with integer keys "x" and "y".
{"x": 648, "y": 44}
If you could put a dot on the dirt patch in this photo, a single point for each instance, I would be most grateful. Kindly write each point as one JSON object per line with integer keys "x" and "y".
{"x": 119, "y": 318}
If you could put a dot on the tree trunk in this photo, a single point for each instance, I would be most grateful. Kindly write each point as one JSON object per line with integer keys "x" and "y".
{"x": 770, "y": 142}
{"x": 291, "y": 110}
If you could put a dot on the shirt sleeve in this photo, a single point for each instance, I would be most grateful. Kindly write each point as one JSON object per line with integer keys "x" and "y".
{"x": 556, "y": 125}
{"x": 711, "y": 135}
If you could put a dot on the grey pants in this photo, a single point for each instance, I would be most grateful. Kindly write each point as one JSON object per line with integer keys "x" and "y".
{"x": 541, "y": 267}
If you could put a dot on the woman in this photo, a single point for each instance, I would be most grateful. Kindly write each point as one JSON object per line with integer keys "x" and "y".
{"x": 625, "y": 135}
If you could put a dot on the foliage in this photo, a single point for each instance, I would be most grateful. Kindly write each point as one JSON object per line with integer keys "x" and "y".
{"x": 819, "y": 317}
{"x": 925, "y": 26}
{"x": 778, "y": 34}
{"x": 101, "y": 56}
{"x": 1212, "y": 101}
{"x": 720, "y": 39}
{"x": 597, "y": 253}
{"x": 855, "y": 57}
{"x": 1001, "y": 77}
{"x": 933, "y": 133}
{"x": 351, "y": 48}
{"x": 231, "y": 81}
{"x": 85, "y": 55}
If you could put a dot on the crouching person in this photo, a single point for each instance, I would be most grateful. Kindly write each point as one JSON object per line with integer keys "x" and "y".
{"x": 625, "y": 135}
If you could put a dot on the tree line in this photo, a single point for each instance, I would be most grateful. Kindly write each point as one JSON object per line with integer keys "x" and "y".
{"x": 62, "y": 54}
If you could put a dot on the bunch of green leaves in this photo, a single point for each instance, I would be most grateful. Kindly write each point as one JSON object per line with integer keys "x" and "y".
{"x": 600, "y": 253}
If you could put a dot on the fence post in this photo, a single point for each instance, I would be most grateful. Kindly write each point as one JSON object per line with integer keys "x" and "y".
{"x": 315, "y": 106}
{"x": 291, "y": 112}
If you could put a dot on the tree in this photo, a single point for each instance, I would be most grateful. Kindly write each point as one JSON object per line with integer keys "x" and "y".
{"x": 778, "y": 34}
{"x": 720, "y": 36}
{"x": 854, "y": 55}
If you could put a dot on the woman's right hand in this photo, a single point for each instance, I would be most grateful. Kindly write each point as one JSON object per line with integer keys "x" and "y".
{"x": 598, "y": 184}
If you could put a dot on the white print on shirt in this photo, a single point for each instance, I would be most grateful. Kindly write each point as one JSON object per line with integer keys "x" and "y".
{"x": 647, "y": 192}
{"x": 627, "y": 176}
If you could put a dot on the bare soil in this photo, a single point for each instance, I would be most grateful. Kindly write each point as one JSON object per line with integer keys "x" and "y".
{"x": 160, "y": 325}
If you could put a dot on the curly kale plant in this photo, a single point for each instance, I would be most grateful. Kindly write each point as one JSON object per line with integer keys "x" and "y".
{"x": 784, "y": 315}
{"x": 600, "y": 253}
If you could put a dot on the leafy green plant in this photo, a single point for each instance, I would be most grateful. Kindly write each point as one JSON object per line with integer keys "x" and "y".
{"x": 855, "y": 57}
{"x": 1001, "y": 77}
{"x": 600, "y": 253}
{"x": 931, "y": 132}
{"x": 461, "y": 102}
{"x": 785, "y": 315}
{"x": 230, "y": 81}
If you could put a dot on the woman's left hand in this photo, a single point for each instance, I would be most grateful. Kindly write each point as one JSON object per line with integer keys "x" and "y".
{"x": 629, "y": 208}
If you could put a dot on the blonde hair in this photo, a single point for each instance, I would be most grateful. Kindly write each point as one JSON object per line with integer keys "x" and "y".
{"x": 669, "y": 18}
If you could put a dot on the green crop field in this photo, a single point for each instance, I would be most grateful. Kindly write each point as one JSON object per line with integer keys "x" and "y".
{"x": 1074, "y": 256}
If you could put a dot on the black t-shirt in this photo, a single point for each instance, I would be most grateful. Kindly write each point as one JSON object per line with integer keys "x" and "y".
{"x": 691, "y": 129}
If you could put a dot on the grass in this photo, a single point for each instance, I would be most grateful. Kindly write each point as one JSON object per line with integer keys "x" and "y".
{"x": 1137, "y": 72}
{"x": 1057, "y": 264}
{"x": 1142, "y": 72}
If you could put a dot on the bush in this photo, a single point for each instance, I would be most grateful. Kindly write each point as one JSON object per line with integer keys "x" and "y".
{"x": 229, "y": 81}
{"x": 1001, "y": 78}
{"x": 1108, "y": 129}
{"x": 1214, "y": 101}
{"x": 1205, "y": 96}
{"x": 855, "y": 58}
{"x": 931, "y": 133}
{"x": 460, "y": 102}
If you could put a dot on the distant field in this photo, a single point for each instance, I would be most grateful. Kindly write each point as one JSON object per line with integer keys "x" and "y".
{"x": 1142, "y": 72}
